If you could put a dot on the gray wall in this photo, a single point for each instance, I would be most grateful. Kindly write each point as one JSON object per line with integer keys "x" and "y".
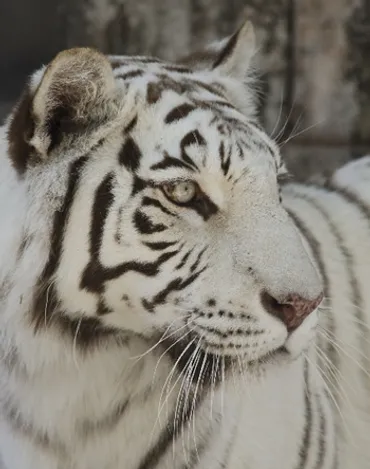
{"x": 314, "y": 57}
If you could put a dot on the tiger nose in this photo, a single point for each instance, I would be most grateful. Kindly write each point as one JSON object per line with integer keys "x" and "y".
{"x": 292, "y": 310}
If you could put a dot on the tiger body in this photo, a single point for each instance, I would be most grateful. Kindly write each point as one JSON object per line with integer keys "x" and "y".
{"x": 133, "y": 331}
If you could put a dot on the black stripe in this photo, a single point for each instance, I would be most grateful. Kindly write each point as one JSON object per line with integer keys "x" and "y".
{"x": 130, "y": 126}
{"x": 178, "y": 69}
{"x": 314, "y": 245}
{"x": 144, "y": 224}
{"x": 177, "y": 284}
{"x": 225, "y": 160}
{"x": 321, "y": 435}
{"x": 160, "y": 246}
{"x": 12, "y": 414}
{"x": 20, "y": 131}
{"x": 88, "y": 428}
{"x": 170, "y": 162}
{"x": 179, "y": 112}
{"x": 102, "y": 308}
{"x": 150, "y": 202}
{"x": 350, "y": 197}
{"x": 153, "y": 93}
{"x": 96, "y": 275}
{"x": 356, "y": 293}
{"x": 131, "y": 74}
{"x": 43, "y": 307}
{"x": 212, "y": 88}
{"x": 146, "y": 60}
{"x": 197, "y": 260}
{"x": 227, "y": 51}
{"x": 191, "y": 138}
{"x": 116, "y": 63}
{"x": 24, "y": 245}
{"x": 85, "y": 332}
{"x": 103, "y": 201}
{"x": 180, "y": 87}
{"x": 203, "y": 205}
{"x": 228, "y": 452}
{"x": 166, "y": 83}
{"x": 130, "y": 155}
{"x": 5, "y": 287}
{"x": 170, "y": 433}
{"x": 88, "y": 333}
{"x": 184, "y": 259}
{"x": 364, "y": 210}
{"x": 318, "y": 256}
{"x": 240, "y": 151}
{"x": 214, "y": 103}
{"x": 138, "y": 185}
{"x": 307, "y": 430}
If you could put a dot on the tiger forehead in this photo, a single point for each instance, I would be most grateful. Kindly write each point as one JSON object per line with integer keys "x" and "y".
{"x": 185, "y": 116}
{"x": 182, "y": 136}
{"x": 156, "y": 77}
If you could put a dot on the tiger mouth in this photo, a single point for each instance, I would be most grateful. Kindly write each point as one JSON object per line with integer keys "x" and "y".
{"x": 206, "y": 363}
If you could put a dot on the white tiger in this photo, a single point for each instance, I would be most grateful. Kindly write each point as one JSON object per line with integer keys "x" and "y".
{"x": 157, "y": 303}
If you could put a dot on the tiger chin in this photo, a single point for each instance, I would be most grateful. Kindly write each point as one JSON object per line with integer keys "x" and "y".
{"x": 162, "y": 289}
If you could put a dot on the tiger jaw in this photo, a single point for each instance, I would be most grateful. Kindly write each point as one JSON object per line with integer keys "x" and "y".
{"x": 204, "y": 361}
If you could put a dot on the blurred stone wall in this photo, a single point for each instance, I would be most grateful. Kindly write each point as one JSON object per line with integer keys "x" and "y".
{"x": 314, "y": 58}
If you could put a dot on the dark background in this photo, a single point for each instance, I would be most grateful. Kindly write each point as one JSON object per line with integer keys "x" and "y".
{"x": 314, "y": 58}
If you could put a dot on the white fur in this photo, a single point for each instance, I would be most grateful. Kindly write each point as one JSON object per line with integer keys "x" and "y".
{"x": 58, "y": 391}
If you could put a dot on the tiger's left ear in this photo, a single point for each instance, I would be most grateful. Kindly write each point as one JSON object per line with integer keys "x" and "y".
{"x": 228, "y": 62}
{"x": 234, "y": 55}
{"x": 231, "y": 56}
{"x": 65, "y": 109}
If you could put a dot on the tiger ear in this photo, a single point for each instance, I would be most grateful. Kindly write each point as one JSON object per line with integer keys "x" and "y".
{"x": 235, "y": 54}
{"x": 228, "y": 62}
{"x": 231, "y": 56}
{"x": 68, "y": 110}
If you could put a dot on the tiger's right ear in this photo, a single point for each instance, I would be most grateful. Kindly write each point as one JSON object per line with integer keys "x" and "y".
{"x": 68, "y": 111}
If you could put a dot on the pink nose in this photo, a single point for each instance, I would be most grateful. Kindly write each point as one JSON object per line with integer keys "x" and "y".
{"x": 291, "y": 310}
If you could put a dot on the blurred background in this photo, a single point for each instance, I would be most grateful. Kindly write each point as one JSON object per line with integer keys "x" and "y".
{"x": 314, "y": 58}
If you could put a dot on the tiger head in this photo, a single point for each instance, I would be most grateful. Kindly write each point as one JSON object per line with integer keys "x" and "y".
{"x": 157, "y": 195}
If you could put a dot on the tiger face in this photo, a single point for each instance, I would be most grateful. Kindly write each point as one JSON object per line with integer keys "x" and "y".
{"x": 171, "y": 228}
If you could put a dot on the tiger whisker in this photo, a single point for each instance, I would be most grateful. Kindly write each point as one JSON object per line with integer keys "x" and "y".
{"x": 301, "y": 132}
{"x": 195, "y": 398}
{"x": 74, "y": 344}
{"x": 282, "y": 130}
{"x": 279, "y": 114}
{"x": 168, "y": 394}
{"x": 320, "y": 373}
{"x": 195, "y": 367}
{"x": 173, "y": 370}
{"x": 169, "y": 348}
{"x": 163, "y": 338}
{"x": 184, "y": 394}
{"x": 335, "y": 342}
{"x": 333, "y": 370}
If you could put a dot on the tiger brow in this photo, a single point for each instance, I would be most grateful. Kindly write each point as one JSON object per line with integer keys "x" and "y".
{"x": 171, "y": 162}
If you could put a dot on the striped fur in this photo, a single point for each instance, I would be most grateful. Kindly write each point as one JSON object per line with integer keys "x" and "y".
{"x": 134, "y": 330}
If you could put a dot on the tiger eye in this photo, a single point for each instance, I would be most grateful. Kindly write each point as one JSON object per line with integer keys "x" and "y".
{"x": 181, "y": 192}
